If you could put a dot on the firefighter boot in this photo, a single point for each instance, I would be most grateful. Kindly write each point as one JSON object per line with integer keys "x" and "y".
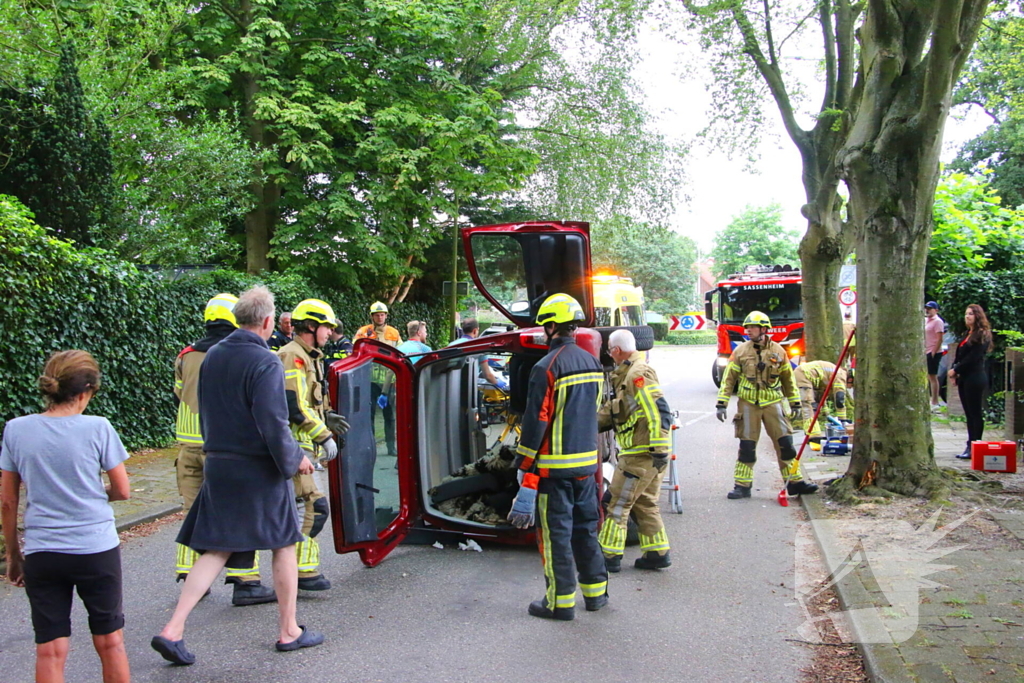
{"x": 738, "y": 492}
{"x": 539, "y": 609}
{"x": 314, "y": 583}
{"x": 613, "y": 563}
{"x": 252, "y": 593}
{"x": 595, "y": 603}
{"x": 796, "y": 488}
{"x": 652, "y": 560}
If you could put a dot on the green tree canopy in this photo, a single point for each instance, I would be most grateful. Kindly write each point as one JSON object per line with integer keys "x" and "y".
{"x": 656, "y": 258}
{"x": 994, "y": 81}
{"x": 755, "y": 236}
{"x": 973, "y": 232}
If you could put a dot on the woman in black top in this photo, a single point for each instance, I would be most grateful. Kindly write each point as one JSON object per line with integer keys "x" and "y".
{"x": 970, "y": 373}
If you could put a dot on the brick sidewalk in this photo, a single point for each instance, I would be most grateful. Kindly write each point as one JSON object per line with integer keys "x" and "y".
{"x": 968, "y": 629}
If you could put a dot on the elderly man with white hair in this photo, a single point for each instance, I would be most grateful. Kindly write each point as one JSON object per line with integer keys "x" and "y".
{"x": 642, "y": 422}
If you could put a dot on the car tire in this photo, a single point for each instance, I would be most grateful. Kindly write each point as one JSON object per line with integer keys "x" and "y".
{"x": 716, "y": 374}
{"x": 644, "y": 335}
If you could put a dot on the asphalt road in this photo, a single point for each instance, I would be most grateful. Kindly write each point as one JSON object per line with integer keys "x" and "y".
{"x": 723, "y": 612}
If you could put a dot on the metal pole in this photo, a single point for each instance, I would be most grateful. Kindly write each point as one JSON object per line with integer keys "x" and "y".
{"x": 455, "y": 269}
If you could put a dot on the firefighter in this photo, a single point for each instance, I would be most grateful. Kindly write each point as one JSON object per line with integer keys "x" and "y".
{"x": 640, "y": 417}
{"x": 381, "y": 381}
{"x": 811, "y": 381}
{"x": 556, "y": 461}
{"x": 312, "y": 425}
{"x": 760, "y": 375}
{"x": 220, "y": 322}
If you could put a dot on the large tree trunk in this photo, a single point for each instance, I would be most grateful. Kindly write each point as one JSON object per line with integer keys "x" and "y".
{"x": 821, "y": 255}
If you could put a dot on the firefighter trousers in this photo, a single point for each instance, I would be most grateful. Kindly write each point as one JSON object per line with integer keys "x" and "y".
{"x": 189, "y": 469}
{"x": 308, "y": 549}
{"x": 636, "y": 487}
{"x": 567, "y": 513}
{"x": 747, "y": 423}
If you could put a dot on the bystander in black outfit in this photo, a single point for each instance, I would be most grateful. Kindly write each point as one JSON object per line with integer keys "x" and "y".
{"x": 970, "y": 372}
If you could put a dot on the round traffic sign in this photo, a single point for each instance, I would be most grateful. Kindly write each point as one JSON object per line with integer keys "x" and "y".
{"x": 688, "y": 323}
{"x": 847, "y": 296}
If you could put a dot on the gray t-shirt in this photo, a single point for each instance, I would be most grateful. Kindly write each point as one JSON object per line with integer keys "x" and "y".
{"x": 60, "y": 460}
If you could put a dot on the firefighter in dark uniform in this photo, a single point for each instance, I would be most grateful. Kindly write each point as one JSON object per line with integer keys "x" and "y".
{"x": 760, "y": 375}
{"x": 312, "y": 424}
{"x": 557, "y": 453}
{"x": 642, "y": 422}
{"x": 220, "y": 322}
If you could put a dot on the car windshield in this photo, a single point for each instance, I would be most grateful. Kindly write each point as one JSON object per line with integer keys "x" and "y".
{"x": 780, "y": 301}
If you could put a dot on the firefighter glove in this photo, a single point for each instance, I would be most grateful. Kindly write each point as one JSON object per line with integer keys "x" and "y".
{"x": 840, "y": 399}
{"x": 660, "y": 461}
{"x": 336, "y": 423}
{"x": 524, "y": 506}
{"x": 382, "y": 401}
{"x": 328, "y": 450}
{"x": 721, "y": 407}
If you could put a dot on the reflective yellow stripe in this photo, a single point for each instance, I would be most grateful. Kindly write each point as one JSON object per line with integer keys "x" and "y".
{"x": 791, "y": 472}
{"x": 612, "y": 538}
{"x": 545, "y": 550}
{"x": 308, "y": 551}
{"x": 186, "y": 558}
{"x": 250, "y": 574}
{"x": 744, "y": 474}
{"x": 560, "y": 462}
{"x": 563, "y": 601}
{"x": 658, "y": 541}
{"x": 186, "y": 429}
{"x": 309, "y": 435}
{"x": 528, "y": 452}
{"x": 593, "y": 590}
{"x": 581, "y": 378}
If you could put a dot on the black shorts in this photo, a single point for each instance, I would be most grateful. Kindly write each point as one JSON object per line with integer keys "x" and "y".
{"x": 51, "y": 578}
{"x": 933, "y": 362}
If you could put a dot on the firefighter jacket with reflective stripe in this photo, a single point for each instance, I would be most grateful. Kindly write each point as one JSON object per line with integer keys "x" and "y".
{"x": 815, "y": 375}
{"x": 759, "y": 374}
{"x": 303, "y": 385}
{"x": 186, "y": 388}
{"x": 638, "y": 405}
{"x": 559, "y": 428}
{"x": 384, "y": 333}
{"x": 337, "y": 350}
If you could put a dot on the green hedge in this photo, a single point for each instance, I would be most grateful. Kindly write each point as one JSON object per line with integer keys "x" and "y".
{"x": 1000, "y": 293}
{"x": 693, "y": 338}
{"x": 660, "y": 331}
{"x": 55, "y": 297}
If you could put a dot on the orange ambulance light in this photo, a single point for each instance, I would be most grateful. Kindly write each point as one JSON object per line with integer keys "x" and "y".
{"x": 796, "y": 349}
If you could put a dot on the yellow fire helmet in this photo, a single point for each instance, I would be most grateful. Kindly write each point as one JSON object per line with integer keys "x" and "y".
{"x": 316, "y": 311}
{"x": 757, "y": 318}
{"x": 378, "y": 307}
{"x": 221, "y": 307}
{"x": 560, "y": 308}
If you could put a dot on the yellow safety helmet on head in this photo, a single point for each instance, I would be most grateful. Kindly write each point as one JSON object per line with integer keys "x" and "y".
{"x": 378, "y": 307}
{"x": 560, "y": 308}
{"x": 221, "y": 307}
{"x": 757, "y": 318}
{"x": 314, "y": 310}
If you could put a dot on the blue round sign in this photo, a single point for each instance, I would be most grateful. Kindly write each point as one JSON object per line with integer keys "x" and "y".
{"x": 688, "y": 322}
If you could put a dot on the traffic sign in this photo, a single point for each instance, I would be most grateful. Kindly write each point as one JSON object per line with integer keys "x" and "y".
{"x": 848, "y": 296}
{"x": 687, "y": 322}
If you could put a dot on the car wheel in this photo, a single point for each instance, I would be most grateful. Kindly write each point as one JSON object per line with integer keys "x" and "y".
{"x": 716, "y": 373}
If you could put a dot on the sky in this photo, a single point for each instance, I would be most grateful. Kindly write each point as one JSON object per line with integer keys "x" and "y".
{"x": 718, "y": 187}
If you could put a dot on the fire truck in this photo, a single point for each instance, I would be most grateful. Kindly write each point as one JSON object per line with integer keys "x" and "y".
{"x": 773, "y": 290}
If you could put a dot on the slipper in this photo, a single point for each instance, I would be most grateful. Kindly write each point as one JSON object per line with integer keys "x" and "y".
{"x": 307, "y": 639}
{"x": 173, "y": 650}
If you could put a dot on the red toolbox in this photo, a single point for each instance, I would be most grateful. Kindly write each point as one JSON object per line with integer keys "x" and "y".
{"x": 994, "y": 456}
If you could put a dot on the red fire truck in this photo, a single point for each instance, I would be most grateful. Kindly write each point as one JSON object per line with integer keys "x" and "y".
{"x": 773, "y": 290}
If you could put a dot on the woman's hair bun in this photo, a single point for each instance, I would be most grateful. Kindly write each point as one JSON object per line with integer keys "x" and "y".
{"x": 49, "y": 385}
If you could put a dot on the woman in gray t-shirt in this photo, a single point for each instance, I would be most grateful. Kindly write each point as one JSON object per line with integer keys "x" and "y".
{"x": 70, "y": 539}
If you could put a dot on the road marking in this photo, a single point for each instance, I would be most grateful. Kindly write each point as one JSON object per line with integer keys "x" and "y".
{"x": 697, "y": 419}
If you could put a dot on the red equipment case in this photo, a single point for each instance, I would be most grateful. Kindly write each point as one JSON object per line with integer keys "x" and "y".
{"x": 994, "y": 456}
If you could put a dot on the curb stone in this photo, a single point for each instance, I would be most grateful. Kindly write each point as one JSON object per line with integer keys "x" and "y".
{"x": 882, "y": 662}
